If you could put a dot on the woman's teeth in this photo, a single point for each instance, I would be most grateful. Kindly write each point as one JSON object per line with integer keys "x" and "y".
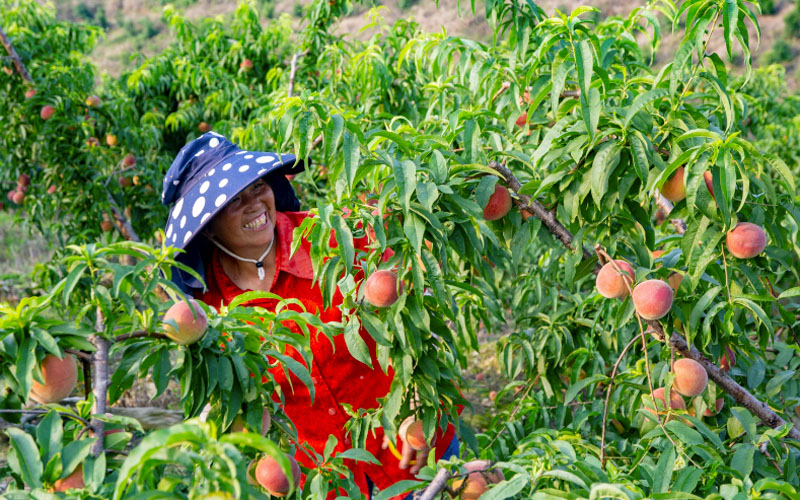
{"x": 257, "y": 223}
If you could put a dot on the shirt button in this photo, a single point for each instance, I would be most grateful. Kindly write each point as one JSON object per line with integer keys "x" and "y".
{"x": 331, "y": 411}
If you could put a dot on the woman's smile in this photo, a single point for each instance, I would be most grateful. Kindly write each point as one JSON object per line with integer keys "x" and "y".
{"x": 258, "y": 224}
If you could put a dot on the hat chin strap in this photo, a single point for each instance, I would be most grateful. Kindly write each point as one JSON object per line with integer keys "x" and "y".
{"x": 259, "y": 263}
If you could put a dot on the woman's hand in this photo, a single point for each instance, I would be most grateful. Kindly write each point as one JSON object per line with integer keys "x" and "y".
{"x": 408, "y": 453}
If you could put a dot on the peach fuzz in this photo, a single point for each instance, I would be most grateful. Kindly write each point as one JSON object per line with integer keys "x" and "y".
{"x": 652, "y": 299}
{"x": 270, "y": 475}
{"x": 746, "y": 240}
{"x": 60, "y": 377}
{"x": 47, "y": 112}
{"x": 190, "y": 328}
{"x": 673, "y": 189}
{"x": 380, "y": 290}
{"x": 691, "y": 378}
{"x": 499, "y": 203}
{"x": 611, "y": 284}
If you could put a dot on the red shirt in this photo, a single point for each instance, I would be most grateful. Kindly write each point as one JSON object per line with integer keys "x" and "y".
{"x": 337, "y": 376}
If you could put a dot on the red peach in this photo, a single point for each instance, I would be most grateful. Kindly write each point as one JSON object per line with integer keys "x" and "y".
{"x": 746, "y": 240}
{"x": 652, "y": 299}
{"x": 18, "y": 197}
{"x": 246, "y": 65}
{"x": 270, "y": 475}
{"x": 673, "y": 189}
{"x": 92, "y": 101}
{"x": 676, "y": 402}
{"x": 190, "y": 328}
{"x": 30, "y": 93}
{"x": 709, "y": 178}
{"x": 610, "y": 284}
{"x": 727, "y": 360}
{"x": 47, "y": 112}
{"x": 381, "y": 288}
{"x": 691, "y": 378}
{"x": 73, "y": 481}
{"x": 106, "y": 226}
{"x": 203, "y": 127}
{"x": 719, "y": 403}
{"x": 60, "y": 377}
{"x": 499, "y": 203}
{"x": 522, "y": 120}
{"x": 51, "y": 189}
{"x": 129, "y": 160}
{"x": 415, "y": 436}
{"x": 24, "y": 179}
{"x": 477, "y": 482}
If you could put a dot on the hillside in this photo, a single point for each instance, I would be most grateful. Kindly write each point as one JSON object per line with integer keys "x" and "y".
{"x": 134, "y": 27}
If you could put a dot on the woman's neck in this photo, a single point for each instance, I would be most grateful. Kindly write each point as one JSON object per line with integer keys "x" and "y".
{"x": 245, "y": 274}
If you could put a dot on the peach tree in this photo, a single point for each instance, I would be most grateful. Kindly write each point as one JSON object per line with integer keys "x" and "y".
{"x": 423, "y": 142}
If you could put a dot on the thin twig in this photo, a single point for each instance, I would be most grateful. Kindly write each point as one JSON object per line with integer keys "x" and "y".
{"x": 503, "y": 87}
{"x": 44, "y": 412}
{"x": 608, "y": 398}
{"x": 80, "y": 354}
{"x": 122, "y": 223}
{"x": 293, "y": 71}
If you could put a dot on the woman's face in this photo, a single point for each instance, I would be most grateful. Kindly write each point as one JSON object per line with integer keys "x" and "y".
{"x": 246, "y": 225}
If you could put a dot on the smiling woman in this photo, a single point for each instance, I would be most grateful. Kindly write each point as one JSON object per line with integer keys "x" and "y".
{"x": 234, "y": 212}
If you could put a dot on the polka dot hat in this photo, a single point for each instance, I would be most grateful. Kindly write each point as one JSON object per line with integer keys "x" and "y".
{"x": 208, "y": 172}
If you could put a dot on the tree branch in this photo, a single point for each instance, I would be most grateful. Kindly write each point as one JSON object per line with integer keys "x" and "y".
{"x": 141, "y": 333}
{"x": 438, "y": 483}
{"x": 15, "y": 57}
{"x": 293, "y": 71}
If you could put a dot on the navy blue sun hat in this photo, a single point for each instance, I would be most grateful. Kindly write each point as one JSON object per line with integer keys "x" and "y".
{"x": 206, "y": 174}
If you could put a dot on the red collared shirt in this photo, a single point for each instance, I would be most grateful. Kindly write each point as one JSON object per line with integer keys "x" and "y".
{"x": 337, "y": 376}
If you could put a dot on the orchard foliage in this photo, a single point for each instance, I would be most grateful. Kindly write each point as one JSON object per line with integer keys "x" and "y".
{"x": 405, "y": 130}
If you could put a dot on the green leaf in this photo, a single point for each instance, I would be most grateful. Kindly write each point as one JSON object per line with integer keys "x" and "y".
{"x": 352, "y": 155}
{"x": 405, "y": 176}
{"x": 580, "y": 385}
{"x": 28, "y": 463}
{"x": 584, "y": 62}
{"x": 344, "y": 237}
{"x": 662, "y": 475}
{"x": 605, "y": 161}
{"x": 355, "y": 344}
{"x": 507, "y": 489}
{"x": 49, "y": 433}
{"x": 742, "y": 461}
{"x": 72, "y": 281}
{"x": 643, "y": 100}
{"x": 359, "y": 455}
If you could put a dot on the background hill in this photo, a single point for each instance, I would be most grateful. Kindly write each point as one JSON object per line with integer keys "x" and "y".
{"x": 134, "y": 28}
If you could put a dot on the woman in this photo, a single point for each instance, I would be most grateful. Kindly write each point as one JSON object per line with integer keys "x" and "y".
{"x": 233, "y": 212}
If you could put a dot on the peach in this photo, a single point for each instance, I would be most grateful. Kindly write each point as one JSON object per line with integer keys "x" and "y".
{"x": 24, "y": 180}
{"x": 111, "y": 140}
{"x": 691, "y": 378}
{"x": 499, "y": 204}
{"x": 719, "y": 403}
{"x": 125, "y": 182}
{"x": 478, "y": 479}
{"x": 675, "y": 280}
{"x": 18, "y": 197}
{"x": 92, "y": 142}
{"x": 203, "y": 127}
{"x": 673, "y": 189}
{"x": 727, "y": 360}
{"x": 415, "y": 436}
{"x": 60, "y": 377}
{"x": 270, "y": 475}
{"x": 47, "y": 112}
{"x": 709, "y": 178}
{"x": 522, "y": 120}
{"x": 106, "y": 226}
{"x": 611, "y": 284}
{"x": 30, "y": 93}
{"x": 676, "y": 402}
{"x": 51, "y": 189}
{"x": 92, "y": 101}
{"x": 746, "y": 240}
{"x": 129, "y": 160}
{"x": 266, "y": 421}
{"x": 246, "y": 65}
{"x": 190, "y": 328}
{"x": 652, "y": 299}
{"x": 73, "y": 481}
{"x": 380, "y": 290}
{"x": 657, "y": 254}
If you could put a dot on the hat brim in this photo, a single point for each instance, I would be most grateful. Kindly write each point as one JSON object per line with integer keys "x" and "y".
{"x": 209, "y": 195}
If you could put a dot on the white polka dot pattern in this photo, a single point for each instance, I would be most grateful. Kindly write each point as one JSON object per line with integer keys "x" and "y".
{"x": 227, "y": 167}
{"x": 265, "y": 159}
{"x": 244, "y": 168}
{"x": 183, "y": 221}
{"x": 198, "y": 206}
{"x": 204, "y": 187}
{"x": 223, "y": 183}
{"x": 214, "y": 142}
{"x": 200, "y": 152}
{"x": 247, "y": 157}
{"x": 205, "y": 218}
{"x": 177, "y": 210}
{"x": 187, "y": 236}
{"x": 220, "y": 200}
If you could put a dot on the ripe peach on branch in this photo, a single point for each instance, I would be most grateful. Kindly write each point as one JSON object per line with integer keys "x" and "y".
{"x": 691, "y": 378}
{"x": 611, "y": 284}
{"x": 381, "y": 288}
{"x": 499, "y": 203}
{"x": 60, "y": 377}
{"x": 191, "y": 322}
{"x": 270, "y": 475}
{"x": 652, "y": 299}
{"x": 746, "y": 240}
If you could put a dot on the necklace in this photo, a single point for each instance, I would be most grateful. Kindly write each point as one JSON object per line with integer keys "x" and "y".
{"x": 259, "y": 263}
